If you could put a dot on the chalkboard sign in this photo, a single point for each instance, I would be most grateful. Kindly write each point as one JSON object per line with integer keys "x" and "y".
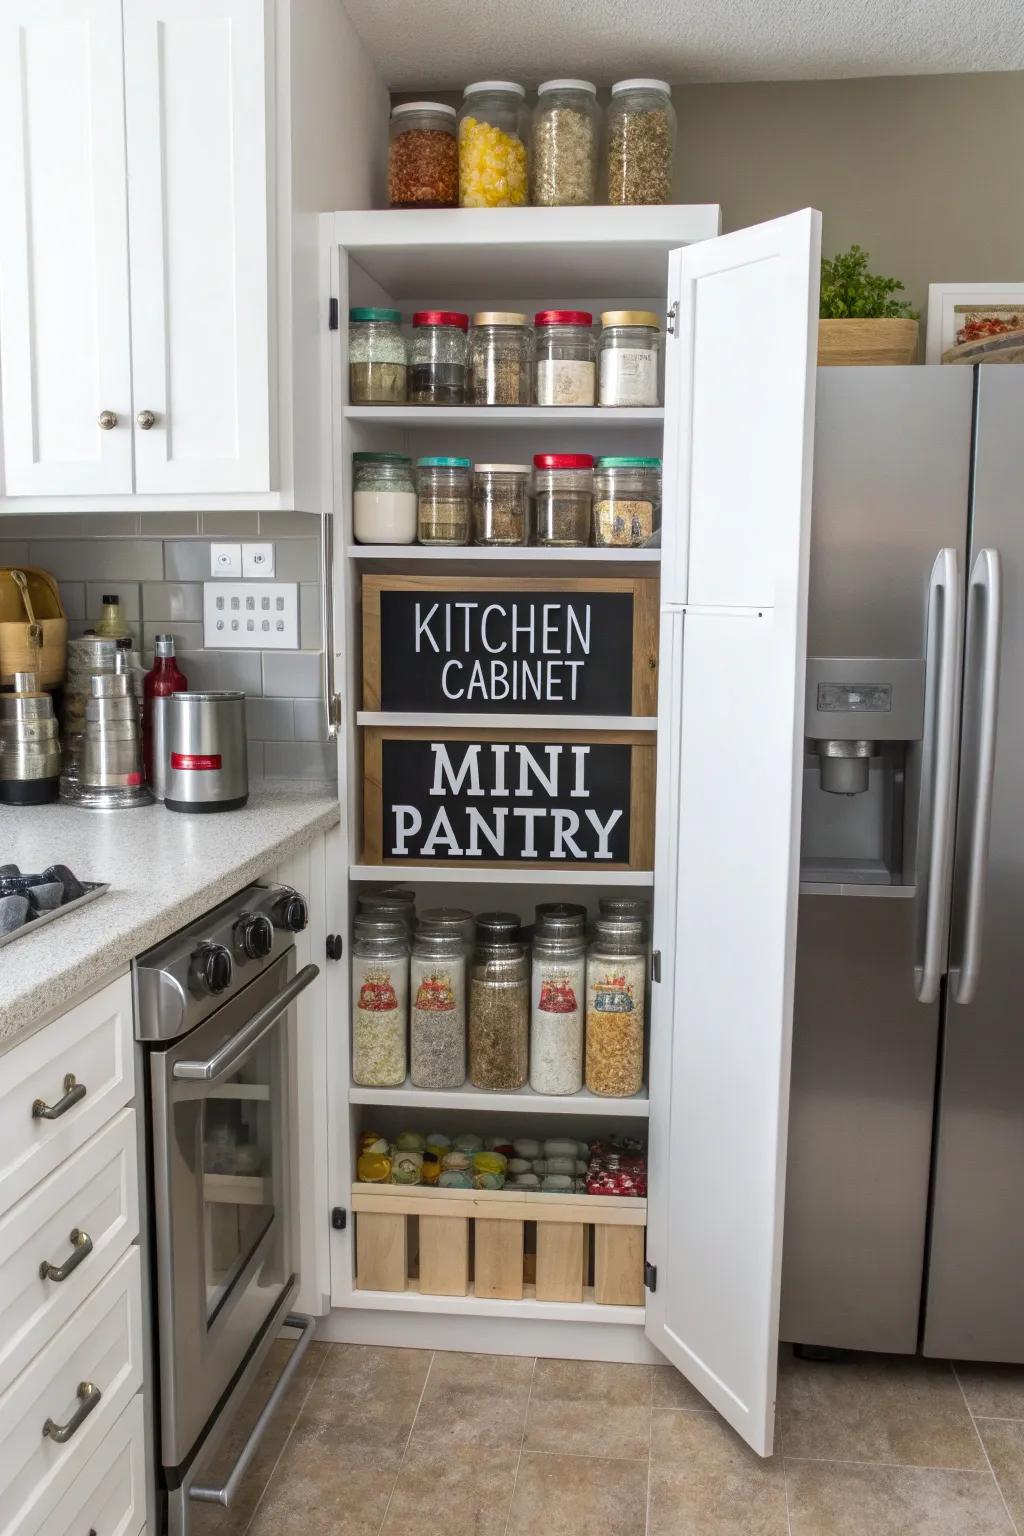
{"x": 506, "y": 645}
{"x": 495, "y": 797}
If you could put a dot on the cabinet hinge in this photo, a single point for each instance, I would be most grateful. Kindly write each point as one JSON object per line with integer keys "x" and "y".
{"x": 332, "y": 315}
{"x": 339, "y": 1218}
{"x": 651, "y": 1277}
{"x": 655, "y": 964}
{"x": 672, "y": 318}
{"x": 335, "y": 946}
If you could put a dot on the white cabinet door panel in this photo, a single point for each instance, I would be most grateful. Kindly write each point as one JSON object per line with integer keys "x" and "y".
{"x": 64, "y": 343}
{"x": 109, "y": 1496}
{"x": 198, "y": 220}
{"x": 730, "y": 751}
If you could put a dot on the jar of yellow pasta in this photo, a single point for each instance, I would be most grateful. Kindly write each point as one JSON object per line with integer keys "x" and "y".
{"x": 494, "y": 128}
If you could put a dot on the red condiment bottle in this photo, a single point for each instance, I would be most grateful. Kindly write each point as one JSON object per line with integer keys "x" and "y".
{"x": 163, "y": 679}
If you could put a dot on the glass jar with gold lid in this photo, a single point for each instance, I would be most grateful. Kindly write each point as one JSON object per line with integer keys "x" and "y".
{"x": 500, "y": 359}
{"x": 628, "y": 355}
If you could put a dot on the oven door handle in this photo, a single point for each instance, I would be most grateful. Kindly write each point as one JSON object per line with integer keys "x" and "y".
{"x": 232, "y": 1051}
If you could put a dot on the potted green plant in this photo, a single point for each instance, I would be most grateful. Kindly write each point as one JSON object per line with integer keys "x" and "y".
{"x": 862, "y": 322}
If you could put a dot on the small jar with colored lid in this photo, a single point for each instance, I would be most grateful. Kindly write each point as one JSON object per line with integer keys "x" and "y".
{"x": 442, "y": 487}
{"x": 627, "y": 501}
{"x": 501, "y": 504}
{"x": 628, "y": 357}
{"x": 376, "y": 357}
{"x": 437, "y": 357}
{"x": 494, "y": 129}
{"x": 566, "y": 367}
{"x": 423, "y": 156}
{"x": 563, "y": 487}
{"x": 383, "y": 499}
{"x": 500, "y": 359}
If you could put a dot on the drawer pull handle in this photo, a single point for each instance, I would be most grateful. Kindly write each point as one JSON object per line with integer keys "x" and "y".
{"x": 81, "y": 1242}
{"x": 73, "y": 1093}
{"x": 88, "y": 1397}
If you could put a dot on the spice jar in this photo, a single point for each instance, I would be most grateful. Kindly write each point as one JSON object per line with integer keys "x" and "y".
{"x": 493, "y": 131}
{"x": 380, "y": 1001}
{"x": 437, "y": 990}
{"x": 500, "y": 359}
{"x": 641, "y": 141}
{"x": 437, "y": 357}
{"x": 499, "y": 1005}
{"x": 423, "y": 156}
{"x": 501, "y": 504}
{"x": 563, "y": 144}
{"x": 383, "y": 499}
{"x": 443, "y": 501}
{"x": 376, "y": 357}
{"x": 558, "y": 996}
{"x": 616, "y": 978}
{"x": 393, "y": 905}
{"x": 563, "y": 487}
{"x": 628, "y": 357}
{"x": 627, "y": 501}
{"x": 450, "y": 920}
{"x": 566, "y": 367}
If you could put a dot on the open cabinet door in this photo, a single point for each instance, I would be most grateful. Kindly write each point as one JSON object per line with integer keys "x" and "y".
{"x": 738, "y": 453}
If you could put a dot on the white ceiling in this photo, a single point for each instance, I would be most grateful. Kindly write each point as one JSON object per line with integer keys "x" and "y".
{"x": 443, "y": 44}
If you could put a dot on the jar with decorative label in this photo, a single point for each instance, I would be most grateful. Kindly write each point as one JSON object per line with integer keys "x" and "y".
{"x": 437, "y": 994}
{"x": 628, "y": 357}
{"x": 558, "y": 1001}
{"x": 616, "y": 991}
{"x": 627, "y": 501}
{"x": 380, "y": 1002}
{"x": 566, "y": 369}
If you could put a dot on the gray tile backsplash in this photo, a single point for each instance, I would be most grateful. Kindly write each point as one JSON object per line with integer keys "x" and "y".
{"x": 291, "y": 674}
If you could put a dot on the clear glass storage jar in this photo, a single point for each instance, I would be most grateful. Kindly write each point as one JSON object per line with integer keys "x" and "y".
{"x": 383, "y": 499}
{"x": 500, "y": 359}
{"x": 499, "y": 1005}
{"x": 376, "y": 357}
{"x": 380, "y": 1001}
{"x": 563, "y": 490}
{"x": 451, "y": 920}
{"x": 442, "y": 488}
{"x": 437, "y": 993}
{"x": 641, "y": 142}
{"x": 423, "y": 156}
{"x": 628, "y": 357}
{"x": 563, "y": 144}
{"x": 627, "y": 501}
{"x": 616, "y": 987}
{"x": 566, "y": 369}
{"x": 501, "y": 504}
{"x": 437, "y": 357}
{"x": 494, "y": 128}
{"x": 558, "y": 1000}
{"x": 394, "y": 904}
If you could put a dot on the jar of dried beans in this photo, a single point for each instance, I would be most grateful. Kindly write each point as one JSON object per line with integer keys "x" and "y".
{"x": 494, "y": 125}
{"x": 616, "y": 986}
{"x": 499, "y": 1005}
{"x": 563, "y": 144}
{"x": 423, "y": 156}
{"x": 380, "y": 1002}
{"x": 628, "y": 357}
{"x": 558, "y": 999}
{"x": 437, "y": 357}
{"x": 500, "y": 359}
{"x": 563, "y": 487}
{"x": 641, "y": 142}
{"x": 627, "y": 501}
{"x": 376, "y": 357}
{"x": 442, "y": 488}
{"x": 566, "y": 357}
{"x": 437, "y": 992}
{"x": 501, "y": 504}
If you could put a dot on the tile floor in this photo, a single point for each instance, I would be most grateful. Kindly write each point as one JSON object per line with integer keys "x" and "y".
{"x": 399, "y": 1442}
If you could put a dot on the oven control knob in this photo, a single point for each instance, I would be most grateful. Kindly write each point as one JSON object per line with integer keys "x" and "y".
{"x": 213, "y": 965}
{"x": 255, "y": 935}
{"x": 291, "y": 913}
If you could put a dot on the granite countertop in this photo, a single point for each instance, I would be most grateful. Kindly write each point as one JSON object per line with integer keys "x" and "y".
{"x": 164, "y": 870}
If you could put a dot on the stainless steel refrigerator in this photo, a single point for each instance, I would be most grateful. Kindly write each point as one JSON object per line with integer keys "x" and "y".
{"x": 905, "y": 1191}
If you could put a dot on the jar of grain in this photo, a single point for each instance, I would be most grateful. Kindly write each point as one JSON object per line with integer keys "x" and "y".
{"x": 641, "y": 142}
{"x": 616, "y": 985}
{"x": 627, "y": 501}
{"x": 494, "y": 128}
{"x": 380, "y": 1002}
{"x": 628, "y": 357}
{"x": 566, "y": 357}
{"x": 376, "y": 357}
{"x": 437, "y": 991}
{"x": 383, "y": 499}
{"x": 423, "y": 156}
{"x": 437, "y": 357}
{"x": 499, "y": 1005}
{"x": 501, "y": 504}
{"x": 558, "y": 997}
{"x": 563, "y": 144}
{"x": 500, "y": 359}
{"x": 443, "y": 501}
{"x": 563, "y": 488}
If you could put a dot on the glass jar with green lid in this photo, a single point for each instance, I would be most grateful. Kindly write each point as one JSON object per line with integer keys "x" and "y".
{"x": 383, "y": 499}
{"x": 443, "y": 500}
{"x": 376, "y": 357}
{"x": 627, "y": 501}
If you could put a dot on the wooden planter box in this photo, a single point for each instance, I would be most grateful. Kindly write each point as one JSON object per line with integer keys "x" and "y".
{"x": 467, "y": 1242}
{"x": 866, "y": 343}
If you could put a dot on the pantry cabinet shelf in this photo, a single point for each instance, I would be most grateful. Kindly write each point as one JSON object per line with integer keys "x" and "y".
{"x": 522, "y": 722}
{"x": 442, "y": 554}
{"x": 524, "y": 1102}
{"x": 468, "y": 874}
{"x": 508, "y": 415}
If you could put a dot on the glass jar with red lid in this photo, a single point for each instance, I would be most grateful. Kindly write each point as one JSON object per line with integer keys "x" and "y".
{"x": 563, "y": 487}
{"x": 566, "y": 357}
{"x": 438, "y": 357}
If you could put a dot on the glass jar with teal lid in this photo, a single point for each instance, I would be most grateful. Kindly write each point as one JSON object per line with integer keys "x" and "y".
{"x": 627, "y": 501}
{"x": 376, "y": 357}
{"x": 383, "y": 499}
{"x": 443, "y": 500}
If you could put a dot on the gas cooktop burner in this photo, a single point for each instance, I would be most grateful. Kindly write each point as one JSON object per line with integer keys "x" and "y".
{"x": 26, "y": 901}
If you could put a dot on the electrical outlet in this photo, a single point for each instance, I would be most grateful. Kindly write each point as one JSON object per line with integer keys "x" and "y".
{"x": 225, "y": 559}
{"x": 257, "y": 560}
{"x": 251, "y": 615}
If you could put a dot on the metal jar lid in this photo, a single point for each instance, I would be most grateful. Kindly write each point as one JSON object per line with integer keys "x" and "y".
{"x": 498, "y": 928}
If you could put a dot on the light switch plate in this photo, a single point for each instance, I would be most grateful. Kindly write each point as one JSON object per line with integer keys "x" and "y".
{"x": 257, "y": 560}
{"x": 225, "y": 559}
{"x": 251, "y": 615}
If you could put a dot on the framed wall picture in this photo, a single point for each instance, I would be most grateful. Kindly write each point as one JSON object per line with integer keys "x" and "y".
{"x": 975, "y": 323}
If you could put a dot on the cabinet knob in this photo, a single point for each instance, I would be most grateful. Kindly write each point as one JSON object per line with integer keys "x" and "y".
{"x": 107, "y": 421}
{"x": 146, "y": 419}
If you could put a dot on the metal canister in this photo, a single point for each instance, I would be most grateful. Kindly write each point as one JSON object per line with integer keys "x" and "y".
{"x": 111, "y": 772}
{"x": 29, "y": 744}
{"x": 207, "y": 764}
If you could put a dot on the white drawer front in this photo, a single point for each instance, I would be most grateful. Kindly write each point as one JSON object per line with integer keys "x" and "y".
{"x": 102, "y": 1344}
{"x": 94, "y": 1193}
{"x": 109, "y": 1496}
{"x": 91, "y": 1042}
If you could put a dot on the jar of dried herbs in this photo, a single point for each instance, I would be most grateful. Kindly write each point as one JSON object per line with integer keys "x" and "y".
{"x": 627, "y": 501}
{"x": 501, "y": 504}
{"x": 616, "y": 986}
{"x": 376, "y": 357}
{"x": 443, "y": 501}
{"x": 566, "y": 357}
{"x": 423, "y": 156}
{"x": 380, "y": 1001}
{"x": 558, "y": 996}
{"x": 499, "y": 1005}
{"x": 437, "y": 357}
{"x": 500, "y": 359}
{"x": 641, "y": 142}
{"x": 563, "y": 144}
{"x": 437, "y": 991}
{"x": 563, "y": 488}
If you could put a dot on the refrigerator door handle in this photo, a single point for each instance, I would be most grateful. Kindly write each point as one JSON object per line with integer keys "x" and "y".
{"x": 942, "y": 673}
{"x": 984, "y": 588}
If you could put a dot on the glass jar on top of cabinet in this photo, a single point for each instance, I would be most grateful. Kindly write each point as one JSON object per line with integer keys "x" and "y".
{"x": 616, "y": 988}
{"x": 563, "y": 487}
{"x": 380, "y": 1001}
{"x": 641, "y": 142}
{"x": 500, "y": 359}
{"x": 499, "y": 1005}
{"x": 558, "y": 1000}
{"x": 437, "y": 357}
{"x": 563, "y": 144}
{"x": 628, "y": 357}
{"x": 501, "y": 504}
{"x": 442, "y": 487}
{"x": 383, "y": 499}
{"x": 566, "y": 368}
{"x": 376, "y": 357}
{"x": 627, "y": 501}
{"x": 437, "y": 994}
{"x": 423, "y": 156}
{"x": 494, "y": 124}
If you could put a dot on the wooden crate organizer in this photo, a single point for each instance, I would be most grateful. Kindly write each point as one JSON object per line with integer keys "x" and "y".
{"x": 465, "y": 1242}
